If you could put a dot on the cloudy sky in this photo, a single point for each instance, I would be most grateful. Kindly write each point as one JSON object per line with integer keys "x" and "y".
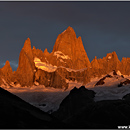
{"x": 103, "y": 26}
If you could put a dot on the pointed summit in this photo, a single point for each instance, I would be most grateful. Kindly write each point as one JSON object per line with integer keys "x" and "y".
{"x": 46, "y": 52}
{"x": 66, "y": 39}
{"x": 27, "y": 45}
{"x": 69, "y": 31}
{"x": 70, "y": 45}
{"x": 7, "y": 68}
{"x": 7, "y": 72}
{"x": 95, "y": 63}
{"x": 7, "y": 63}
{"x": 25, "y": 70}
{"x": 112, "y": 56}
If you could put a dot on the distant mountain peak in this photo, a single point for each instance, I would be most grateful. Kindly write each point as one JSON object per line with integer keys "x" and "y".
{"x": 70, "y": 30}
{"x": 7, "y": 67}
{"x": 46, "y": 52}
{"x": 27, "y": 44}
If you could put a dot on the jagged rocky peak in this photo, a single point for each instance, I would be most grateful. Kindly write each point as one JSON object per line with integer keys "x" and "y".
{"x": 46, "y": 52}
{"x": 7, "y": 68}
{"x": 25, "y": 70}
{"x": 27, "y": 44}
{"x": 65, "y": 40}
{"x": 70, "y": 45}
{"x": 112, "y": 55}
{"x": 26, "y": 50}
{"x": 34, "y": 48}
{"x": 69, "y": 31}
{"x": 7, "y": 72}
{"x": 95, "y": 63}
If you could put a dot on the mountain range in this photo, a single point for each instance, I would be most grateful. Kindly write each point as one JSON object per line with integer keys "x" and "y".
{"x": 68, "y": 61}
{"x": 103, "y": 103}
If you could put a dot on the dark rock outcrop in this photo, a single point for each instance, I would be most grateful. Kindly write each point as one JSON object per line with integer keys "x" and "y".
{"x": 127, "y": 81}
{"x": 126, "y": 97}
{"x": 74, "y": 102}
{"x": 101, "y": 81}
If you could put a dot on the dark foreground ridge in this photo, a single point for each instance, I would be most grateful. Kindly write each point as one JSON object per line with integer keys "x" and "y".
{"x": 80, "y": 111}
{"x": 18, "y": 114}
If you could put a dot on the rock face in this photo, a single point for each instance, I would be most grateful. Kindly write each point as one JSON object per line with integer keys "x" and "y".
{"x": 108, "y": 63}
{"x": 68, "y": 44}
{"x": 6, "y": 74}
{"x": 52, "y": 79}
{"x": 124, "y": 67}
{"x": 26, "y": 67}
{"x": 7, "y": 70}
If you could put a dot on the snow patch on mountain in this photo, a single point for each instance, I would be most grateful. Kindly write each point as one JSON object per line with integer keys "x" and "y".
{"x": 44, "y": 66}
{"x": 70, "y": 70}
{"x": 50, "y": 68}
{"x": 118, "y": 73}
{"x": 59, "y": 54}
{"x": 109, "y": 57}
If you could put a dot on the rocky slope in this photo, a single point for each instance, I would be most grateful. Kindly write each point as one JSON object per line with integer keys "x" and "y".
{"x": 67, "y": 61}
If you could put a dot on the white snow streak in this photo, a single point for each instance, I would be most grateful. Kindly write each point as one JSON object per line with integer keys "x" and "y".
{"x": 59, "y": 54}
{"x": 109, "y": 57}
{"x": 50, "y": 68}
{"x": 44, "y": 66}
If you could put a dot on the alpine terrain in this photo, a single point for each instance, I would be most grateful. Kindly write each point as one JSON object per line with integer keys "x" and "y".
{"x": 63, "y": 89}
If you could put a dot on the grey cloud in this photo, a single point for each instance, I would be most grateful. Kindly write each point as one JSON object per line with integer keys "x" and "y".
{"x": 14, "y": 64}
